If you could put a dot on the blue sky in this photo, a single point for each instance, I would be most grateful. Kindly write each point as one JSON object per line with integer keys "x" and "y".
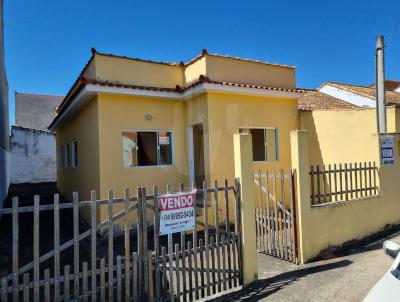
{"x": 48, "y": 42}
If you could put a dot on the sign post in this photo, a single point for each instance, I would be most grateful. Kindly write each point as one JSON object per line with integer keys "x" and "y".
{"x": 177, "y": 212}
{"x": 387, "y": 151}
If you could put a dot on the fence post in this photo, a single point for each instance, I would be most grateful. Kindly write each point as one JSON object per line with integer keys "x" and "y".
{"x": 243, "y": 151}
{"x": 300, "y": 164}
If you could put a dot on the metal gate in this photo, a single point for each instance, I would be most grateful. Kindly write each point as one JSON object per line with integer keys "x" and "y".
{"x": 102, "y": 262}
{"x": 276, "y": 214}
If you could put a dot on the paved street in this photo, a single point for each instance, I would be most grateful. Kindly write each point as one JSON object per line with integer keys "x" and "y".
{"x": 346, "y": 277}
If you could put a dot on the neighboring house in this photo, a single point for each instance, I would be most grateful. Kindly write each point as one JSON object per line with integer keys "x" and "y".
{"x": 316, "y": 100}
{"x": 35, "y": 111}
{"x": 33, "y": 147}
{"x": 4, "y": 118}
{"x": 129, "y": 122}
{"x": 362, "y": 96}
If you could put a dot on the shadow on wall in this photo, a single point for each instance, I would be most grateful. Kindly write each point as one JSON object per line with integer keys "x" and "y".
{"x": 308, "y": 123}
{"x": 263, "y": 288}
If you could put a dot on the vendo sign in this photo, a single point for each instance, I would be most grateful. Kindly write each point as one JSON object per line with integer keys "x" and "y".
{"x": 177, "y": 212}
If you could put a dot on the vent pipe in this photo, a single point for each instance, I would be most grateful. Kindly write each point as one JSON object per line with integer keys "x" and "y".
{"x": 380, "y": 86}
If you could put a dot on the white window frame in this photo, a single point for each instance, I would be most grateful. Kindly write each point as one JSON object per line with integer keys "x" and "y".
{"x": 158, "y": 147}
{"x": 265, "y": 143}
{"x": 74, "y": 155}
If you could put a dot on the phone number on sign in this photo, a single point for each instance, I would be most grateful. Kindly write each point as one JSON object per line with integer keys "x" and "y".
{"x": 179, "y": 215}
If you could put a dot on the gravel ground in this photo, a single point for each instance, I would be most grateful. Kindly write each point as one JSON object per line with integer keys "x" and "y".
{"x": 345, "y": 277}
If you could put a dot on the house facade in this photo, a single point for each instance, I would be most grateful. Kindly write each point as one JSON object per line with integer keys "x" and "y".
{"x": 129, "y": 122}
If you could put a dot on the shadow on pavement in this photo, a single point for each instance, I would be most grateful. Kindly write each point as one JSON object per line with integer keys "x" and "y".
{"x": 367, "y": 244}
{"x": 265, "y": 287}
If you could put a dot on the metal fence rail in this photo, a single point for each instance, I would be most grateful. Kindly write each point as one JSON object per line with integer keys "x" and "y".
{"x": 138, "y": 264}
{"x": 276, "y": 215}
{"x": 343, "y": 182}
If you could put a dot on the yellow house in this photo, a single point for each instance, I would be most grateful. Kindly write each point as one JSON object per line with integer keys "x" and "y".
{"x": 128, "y": 122}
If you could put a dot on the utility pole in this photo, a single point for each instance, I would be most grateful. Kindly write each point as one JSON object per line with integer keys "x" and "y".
{"x": 380, "y": 86}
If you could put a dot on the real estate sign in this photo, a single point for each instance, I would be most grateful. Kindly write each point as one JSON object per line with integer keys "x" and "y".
{"x": 177, "y": 212}
{"x": 387, "y": 151}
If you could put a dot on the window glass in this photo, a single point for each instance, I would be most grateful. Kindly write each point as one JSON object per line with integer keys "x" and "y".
{"x": 74, "y": 152}
{"x": 265, "y": 143}
{"x": 66, "y": 155}
{"x": 61, "y": 153}
{"x": 146, "y": 148}
{"x": 165, "y": 145}
{"x": 258, "y": 139}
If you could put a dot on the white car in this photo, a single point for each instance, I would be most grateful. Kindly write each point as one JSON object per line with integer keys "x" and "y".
{"x": 388, "y": 287}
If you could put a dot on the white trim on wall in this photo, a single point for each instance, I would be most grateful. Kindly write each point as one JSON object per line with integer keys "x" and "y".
{"x": 90, "y": 90}
{"x": 347, "y": 96}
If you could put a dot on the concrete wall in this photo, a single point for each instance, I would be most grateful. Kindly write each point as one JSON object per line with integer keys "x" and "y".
{"x": 33, "y": 156}
{"x": 4, "y": 119}
{"x": 344, "y": 136}
{"x": 35, "y": 111}
{"x": 4, "y": 174}
{"x": 332, "y": 224}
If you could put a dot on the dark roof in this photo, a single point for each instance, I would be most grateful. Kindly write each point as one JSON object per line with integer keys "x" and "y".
{"x": 316, "y": 100}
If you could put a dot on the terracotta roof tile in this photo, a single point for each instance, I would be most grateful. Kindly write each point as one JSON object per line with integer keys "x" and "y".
{"x": 390, "y": 85}
{"x": 369, "y": 92}
{"x": 82, "y": 81}
{"x": 316, "y": 100}
{"x": 179, "y": 89}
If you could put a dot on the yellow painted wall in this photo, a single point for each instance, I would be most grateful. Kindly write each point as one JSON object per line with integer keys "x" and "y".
{"x": 227, "y": 113}
{"x": 117, "y": 113}
{"x": 332, "y": 225}
{"x": 220, "y": 114}
{"x": 194, "y": 70}
{"x": 90, "y": 71}
{"x": 142, "y": 73}
{"x": 196, "y": 112}
{"x": 138, "y": 72}
{"x": 343, "y": 136}
{"x": 238, "y": 71}
{"x": 83, "y": 126}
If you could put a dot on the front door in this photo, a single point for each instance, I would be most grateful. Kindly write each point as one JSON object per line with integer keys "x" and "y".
{"x": 196, "y": 141}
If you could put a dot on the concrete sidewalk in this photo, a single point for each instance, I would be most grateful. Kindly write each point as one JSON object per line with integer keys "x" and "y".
{"x": 346, "y": 277}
